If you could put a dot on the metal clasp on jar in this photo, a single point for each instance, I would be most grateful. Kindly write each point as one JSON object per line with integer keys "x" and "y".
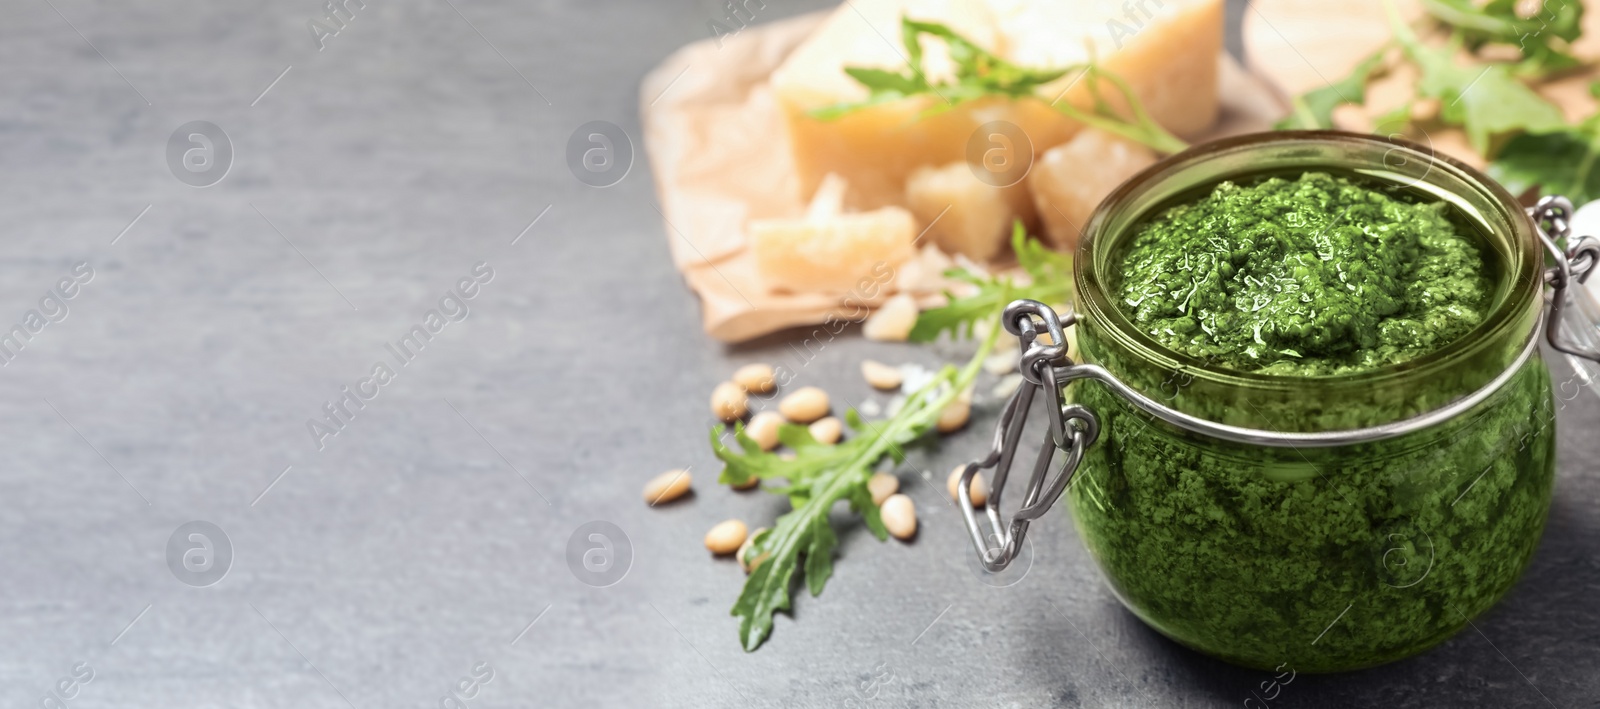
{"x": 1072, "y": 429}
{"x": 1572, "y": 325}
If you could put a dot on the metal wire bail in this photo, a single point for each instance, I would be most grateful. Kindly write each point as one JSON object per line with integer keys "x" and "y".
{"x": 1574, "y": 261}
{"x": 1072, "y": 429}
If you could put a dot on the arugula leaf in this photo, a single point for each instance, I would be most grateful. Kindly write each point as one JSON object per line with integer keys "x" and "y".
{"x": 1050, "y": 281}
{"x": 883, "y": 87}
{"x": 980, "y": 74}
{"x": 817, "y": 477}
{"x": 1138, "y": 127}
{"x": 1557, "y": 162}
{"x": 1540, "y": 38}
{"x": 1313, "y": 110}
{"x": 885, "y": 81}
{"x": 1486, "y": 103}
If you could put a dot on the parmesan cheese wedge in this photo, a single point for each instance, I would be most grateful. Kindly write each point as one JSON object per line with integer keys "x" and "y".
{"x": 964, "y": 214}
{"x": 1165, "y": 49}
{"x": 1070, "y": 180}
{"x": 830, "y": 251}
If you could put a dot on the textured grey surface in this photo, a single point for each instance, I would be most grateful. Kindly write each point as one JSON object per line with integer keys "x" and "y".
{"x": 379, "y": 571}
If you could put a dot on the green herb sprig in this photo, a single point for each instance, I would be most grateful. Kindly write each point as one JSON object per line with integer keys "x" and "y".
{"x": 1525, "y": 138}
{"x": 1049, "y": 281}
{"x": 979, "y": 74}
{"x": 815, "y": 479}
{"x": 1313, "y": 110}
{"x": 1138, "y": 126}
{"x": 1559, "y": 162}
{"x": 1485, "y": 102}
{"x": 1544, "y": 40}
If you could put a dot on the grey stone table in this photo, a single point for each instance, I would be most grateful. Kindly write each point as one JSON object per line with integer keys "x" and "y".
{"x": 425, "y": 543}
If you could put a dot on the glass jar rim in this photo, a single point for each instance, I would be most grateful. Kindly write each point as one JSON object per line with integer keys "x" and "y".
{"x": 1521, "y": 274}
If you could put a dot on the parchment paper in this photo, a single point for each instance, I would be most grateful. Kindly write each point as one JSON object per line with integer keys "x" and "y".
{"x": 714, "y": 135}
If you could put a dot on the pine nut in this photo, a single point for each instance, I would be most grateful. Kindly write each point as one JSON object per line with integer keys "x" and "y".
{"x": 805, "y": 405}
{"x": 892, "y": 321}
{"x": 763, "y": 429}
{"x": 955, "y": 415}
{"x": 881, "y": 376}
{"x": 980, "y": 489}
{"x": 750, "y": 564}
{"x": 882, "y": 485}
{"x": 756, "y": 378}
{"x": 899, "y": 516}
{"x": 726, "y": 537}
{"x": 827, "y": 430}
{"x": 666, "y": 487}
{"x": 728, "y": 402}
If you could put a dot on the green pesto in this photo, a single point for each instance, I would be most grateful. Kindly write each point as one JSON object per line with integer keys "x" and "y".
{"x": 1250, "y": 554}
{"x": 1314, "y": 275}
{"x": 1316, "y": 559}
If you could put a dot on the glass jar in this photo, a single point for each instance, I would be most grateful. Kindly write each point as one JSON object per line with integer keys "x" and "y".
{"x": 1319, "y": 558}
